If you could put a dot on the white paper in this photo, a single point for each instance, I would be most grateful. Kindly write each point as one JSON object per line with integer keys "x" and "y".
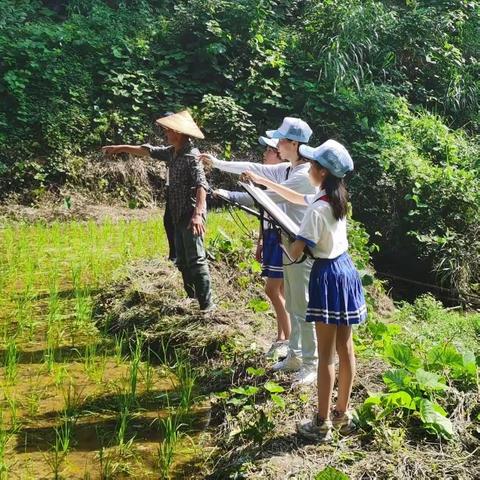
{"x": 270, "y": 207}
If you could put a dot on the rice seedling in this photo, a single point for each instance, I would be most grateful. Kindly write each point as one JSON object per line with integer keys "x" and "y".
{"x": 122, "y": 428}
{"x": 5, "y": 436}
{"x": 33, "y": 403}
{"x": 72, "y": 399}
{"x": 135, "y": 363}
{"x": 63, "y": 434}
{"x": 166, "y": 449}
{"x": 118, "y": 349}
{"x": 89, "y": 358}
{"x": 107, "y": 466}
{"x": 11, "y": 360}
{"x": 24, "y": 315}
{"x": 60, "y": 373}
{"x": 148, "y": 372}
{"x": 59, "y": 450}
{"x": 186, "y": 382}
{"x": 13, "y": 406}
{"x": 53, "y": 304}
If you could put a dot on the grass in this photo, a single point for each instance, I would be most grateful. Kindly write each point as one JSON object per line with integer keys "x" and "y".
{"x": 58, "y": 372}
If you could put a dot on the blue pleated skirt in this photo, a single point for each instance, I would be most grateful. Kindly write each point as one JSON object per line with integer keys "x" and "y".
{"x": 336, "y": 292}
{"x": 272, "y": 255}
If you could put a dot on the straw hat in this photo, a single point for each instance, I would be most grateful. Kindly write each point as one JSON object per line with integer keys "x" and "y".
{"x": 181, "y": 122}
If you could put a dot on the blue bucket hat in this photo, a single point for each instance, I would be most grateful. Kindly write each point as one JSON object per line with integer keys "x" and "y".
{"x": 268, "y": 142}
{"x": 331, "y": 155}
{"x": 292, "y": 129}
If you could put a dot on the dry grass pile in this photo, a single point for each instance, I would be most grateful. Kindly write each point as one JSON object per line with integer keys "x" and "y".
{"x": 150, "y": 300}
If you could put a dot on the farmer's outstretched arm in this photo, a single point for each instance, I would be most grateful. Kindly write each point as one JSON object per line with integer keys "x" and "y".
{"x": 286, "y": 193}
{"x": 158, "y": 152}
{"x": 132, "y": 149}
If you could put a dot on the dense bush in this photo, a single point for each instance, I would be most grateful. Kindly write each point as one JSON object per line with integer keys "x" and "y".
{"x": 397, "y": 81}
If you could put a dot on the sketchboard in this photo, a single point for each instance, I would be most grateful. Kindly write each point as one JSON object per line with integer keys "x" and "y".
{"x": 274, "y": 211}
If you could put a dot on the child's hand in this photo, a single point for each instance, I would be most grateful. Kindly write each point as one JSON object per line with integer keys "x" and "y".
{"x": 206, "y": 159}
{"x": 252, "y": 177}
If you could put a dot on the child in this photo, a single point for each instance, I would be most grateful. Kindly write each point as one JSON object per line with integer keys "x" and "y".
{"x": 293, "y": 173}
{"x": 336, "y": 300}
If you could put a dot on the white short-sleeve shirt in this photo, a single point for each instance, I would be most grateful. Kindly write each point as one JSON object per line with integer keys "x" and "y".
{"x": 323, "y": 233}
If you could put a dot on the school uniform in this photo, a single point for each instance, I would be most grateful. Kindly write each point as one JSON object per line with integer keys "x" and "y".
{"x": 335, "y": 289}
{"x": 272, "y": 254}
{"x": 302, "y": 340}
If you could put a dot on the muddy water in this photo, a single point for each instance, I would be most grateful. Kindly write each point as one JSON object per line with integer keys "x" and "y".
{"x": 33, "y": 405}
{"x": 48, "y": 278}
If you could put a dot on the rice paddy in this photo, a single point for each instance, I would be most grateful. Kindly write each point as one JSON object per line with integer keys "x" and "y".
{"x": 74, "y": 403}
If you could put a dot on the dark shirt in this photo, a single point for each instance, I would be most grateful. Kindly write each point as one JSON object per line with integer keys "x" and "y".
{"x": 186, "y": 175}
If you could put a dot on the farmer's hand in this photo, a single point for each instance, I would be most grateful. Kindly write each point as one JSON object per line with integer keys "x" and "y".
{"x": 252, "y": 177}
{"x": 206, "y": 159}
{"x": 197, "y": 226}
{"x": 111, "y": 150}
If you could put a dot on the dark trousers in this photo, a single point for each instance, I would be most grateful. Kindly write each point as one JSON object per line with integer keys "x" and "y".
{"x": 192, "y": 263}
{"x": 169, "y": 229}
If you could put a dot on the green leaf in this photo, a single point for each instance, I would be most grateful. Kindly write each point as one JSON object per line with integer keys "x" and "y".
{"x": 400, "y": 399}
{"x": 431, "y": 415}
{"x": 256, "y": 267}
{"x": 247, "y": 391}
{"x": 259, "y": 305}
{"x": 255, "y": 372}
{"x": 397, "y": 379}
{"x": 278, "y": 400}
{"x": 373, "y": 399}
{"x": 401, "y": 355}
{"x": 444, "y": 355}
{"x": 429, "y": 380}
{"x": 273, "y": 387}
{"x": 331, "y": 473}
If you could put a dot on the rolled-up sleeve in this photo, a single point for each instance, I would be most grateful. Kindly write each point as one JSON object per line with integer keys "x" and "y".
{"x": 159, "y": 152}
{"x": 198, "y": 174}
{"x": 243, "y": 198}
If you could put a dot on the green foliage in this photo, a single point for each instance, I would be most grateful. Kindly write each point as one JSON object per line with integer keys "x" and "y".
{"x": 223, "y": 120}
{"x": 424, "y": 385}
{"x": 245, "y": 406}
{"x": 330, "y": 473}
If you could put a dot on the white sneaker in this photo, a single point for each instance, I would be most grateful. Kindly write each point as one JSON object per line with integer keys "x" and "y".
{"x": 278, "y": 350}
{"x": 291, "y": 363}
{"x": 306, "y": 376}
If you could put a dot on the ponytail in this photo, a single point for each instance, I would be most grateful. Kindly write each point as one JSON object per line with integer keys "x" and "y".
{"x": 337, "y": 195}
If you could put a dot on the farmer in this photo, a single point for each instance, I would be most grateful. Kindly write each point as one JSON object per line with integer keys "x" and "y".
{"x": 336, "y": 300}
{"x": 187, "y": 195}
{"x": 293, "y": 173}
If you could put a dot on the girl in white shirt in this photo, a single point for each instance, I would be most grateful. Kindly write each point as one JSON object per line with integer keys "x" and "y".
{"x": 336, "y": 299}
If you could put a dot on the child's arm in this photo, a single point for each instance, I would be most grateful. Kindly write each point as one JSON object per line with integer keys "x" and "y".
{"x": 284, "y": 192}
{"x": 296, "y": 249}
